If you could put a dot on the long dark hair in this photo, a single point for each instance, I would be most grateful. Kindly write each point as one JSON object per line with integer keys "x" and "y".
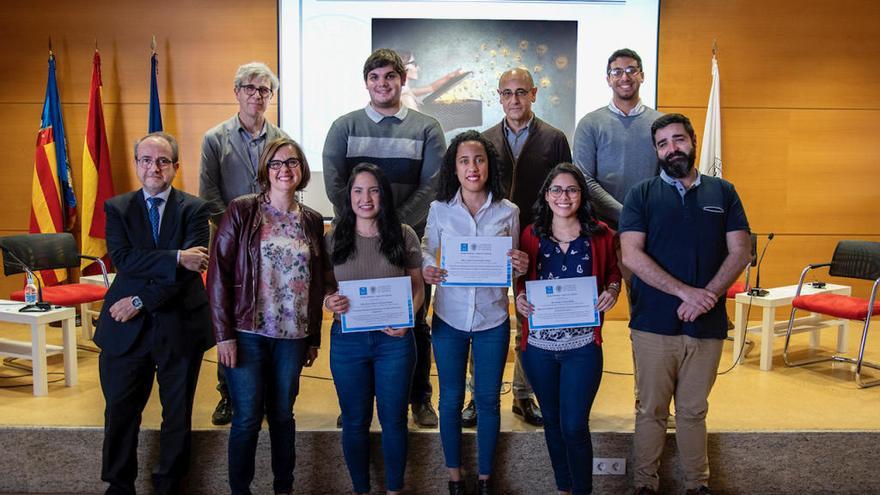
{"x": 449, "y": 182}
{"x": 544, "y": 215}
{"x": 391, "y": 241}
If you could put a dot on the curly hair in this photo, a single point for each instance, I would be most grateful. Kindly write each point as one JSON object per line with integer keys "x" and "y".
{"x": 449, "y": 184}
{"x": 391, "y": 241}
{"x": 544, "y": 215}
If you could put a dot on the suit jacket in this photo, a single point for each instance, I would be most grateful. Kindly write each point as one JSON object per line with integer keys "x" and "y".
{"x": 226, "y": 172}
{"x": 175, "y": 301}
{"x": 545, "y": 148}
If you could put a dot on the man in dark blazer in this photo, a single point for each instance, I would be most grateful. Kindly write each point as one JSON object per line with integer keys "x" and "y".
{"x": 528, "y": 148}
{"x": 156, "y": 319}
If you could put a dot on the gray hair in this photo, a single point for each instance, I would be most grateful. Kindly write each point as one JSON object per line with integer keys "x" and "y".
{"x": 253, "y": 70}
{"x": 161, "y": 135}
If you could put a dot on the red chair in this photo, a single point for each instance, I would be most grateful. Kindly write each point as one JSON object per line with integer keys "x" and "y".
{"x": 50, "y": 252}
{"x": 851, "y": 259}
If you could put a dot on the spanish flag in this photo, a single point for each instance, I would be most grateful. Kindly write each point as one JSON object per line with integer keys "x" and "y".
{"x": 97, "y": 179}
{"x": 53, "y": 203}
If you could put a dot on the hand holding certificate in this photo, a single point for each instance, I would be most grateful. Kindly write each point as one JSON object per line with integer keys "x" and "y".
{"x": 563, "y": 303}
{"x": 377, "y": 304}
{"x": 476, "y": 261}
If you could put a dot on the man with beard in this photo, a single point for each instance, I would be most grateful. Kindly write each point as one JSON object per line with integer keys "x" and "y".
{"x": 685, "y": 236}
{"x": 612, "y": 145}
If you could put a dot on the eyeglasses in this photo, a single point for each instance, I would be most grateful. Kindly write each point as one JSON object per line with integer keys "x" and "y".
{"x": 147, "y": 162}
{"x": 250, "y": 89}
{"x": 617, "y": 72}
{"x": 556, "y": 191}
{"x": 290, "y": 163}
{"x": 519, "y": 93}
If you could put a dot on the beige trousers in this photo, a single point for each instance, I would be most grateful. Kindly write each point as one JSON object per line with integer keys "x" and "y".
{"x": 684, "y": 368}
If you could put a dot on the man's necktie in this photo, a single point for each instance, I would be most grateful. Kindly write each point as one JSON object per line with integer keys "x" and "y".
{"x": 154, "y": 217}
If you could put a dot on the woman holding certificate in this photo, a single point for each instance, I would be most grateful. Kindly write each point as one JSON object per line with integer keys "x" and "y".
{"x": 472, "y": 221}
{"x": 562, "y": 359}
{"x": 372, "y": 362}
{"x": 266, "y": 283}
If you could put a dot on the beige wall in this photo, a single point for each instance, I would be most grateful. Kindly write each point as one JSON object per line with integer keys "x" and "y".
{"x": 800, "y": 98}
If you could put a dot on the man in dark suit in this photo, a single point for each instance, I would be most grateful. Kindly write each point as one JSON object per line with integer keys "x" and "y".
{"x": 156, "y": 319}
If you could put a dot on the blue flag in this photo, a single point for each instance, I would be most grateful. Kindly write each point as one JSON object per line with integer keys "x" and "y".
{"x": 51, "y": 119}
{"x": 155, "y": 111}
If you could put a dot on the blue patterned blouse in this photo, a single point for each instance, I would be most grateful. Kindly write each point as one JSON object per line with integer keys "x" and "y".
{"x": 553, "y": 263}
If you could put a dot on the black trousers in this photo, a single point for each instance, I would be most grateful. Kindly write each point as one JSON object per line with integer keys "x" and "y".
{"x": 127, "y": 382}
{"x": 421, "y": 390}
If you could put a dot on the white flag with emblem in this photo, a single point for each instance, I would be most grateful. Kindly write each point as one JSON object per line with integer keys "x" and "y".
{"x": 710, "y": 153}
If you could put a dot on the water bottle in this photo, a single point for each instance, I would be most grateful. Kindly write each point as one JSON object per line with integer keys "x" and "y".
{"x": 30, "y": 291}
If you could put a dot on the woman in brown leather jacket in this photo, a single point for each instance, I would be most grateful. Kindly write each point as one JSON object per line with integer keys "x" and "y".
{"x": 265, "y": 282}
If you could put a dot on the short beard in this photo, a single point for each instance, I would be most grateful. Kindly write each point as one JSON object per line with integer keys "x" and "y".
{"x": 678, "y": 165}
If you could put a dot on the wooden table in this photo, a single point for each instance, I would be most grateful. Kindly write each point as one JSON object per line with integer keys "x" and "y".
{"x": 37, "y": 350}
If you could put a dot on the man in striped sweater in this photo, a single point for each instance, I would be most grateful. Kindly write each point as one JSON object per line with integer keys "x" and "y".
{"x": 408, "y": 146}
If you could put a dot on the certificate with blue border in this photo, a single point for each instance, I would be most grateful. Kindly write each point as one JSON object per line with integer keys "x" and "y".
{"x": 563, "y": 303}
{"x": 479, "y": 261}
{"x": 376, "y": 304}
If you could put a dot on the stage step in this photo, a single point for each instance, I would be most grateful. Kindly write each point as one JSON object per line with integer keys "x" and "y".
{"x": 68, "y": 460}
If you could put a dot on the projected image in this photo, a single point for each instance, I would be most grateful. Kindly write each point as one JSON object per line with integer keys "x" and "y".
{"x": 453, "y": 67}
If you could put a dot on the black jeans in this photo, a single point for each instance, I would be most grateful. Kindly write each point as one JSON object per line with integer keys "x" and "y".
{"x": 421, "y": 389}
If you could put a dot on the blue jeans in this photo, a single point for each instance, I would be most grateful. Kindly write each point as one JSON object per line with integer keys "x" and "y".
{"x": 266, "y": 378}
{"x": 565, "y": 383}
{"x": 451, "y": 348}
{"x": 367, "y": 365}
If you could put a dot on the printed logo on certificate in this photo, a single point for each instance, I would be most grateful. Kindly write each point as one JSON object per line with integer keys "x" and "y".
{"x": 376, "y": 304}
{"x": 476, "y": 261}
{"x": 563, "y": 303}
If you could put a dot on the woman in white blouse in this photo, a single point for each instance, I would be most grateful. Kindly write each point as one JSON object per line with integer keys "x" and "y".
{"x": 470, "y": 202}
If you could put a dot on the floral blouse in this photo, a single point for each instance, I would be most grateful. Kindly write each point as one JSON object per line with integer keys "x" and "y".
{"x": 553, "y": 263}
{"x": 283, "y": 290}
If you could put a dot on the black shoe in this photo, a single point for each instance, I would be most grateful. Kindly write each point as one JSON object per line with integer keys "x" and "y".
{"x": 528, "y": 411}
{"x": 644, "y": 490}
{"x": 456, "y": 487}
{"x": 703, "y": 490}
{"x": 484, "y": 487}
{"x": 469, "y": 415}
{"x": 424, "y": 414}
{"x": 222, "y": 413}
{"x": 339, "y": 421}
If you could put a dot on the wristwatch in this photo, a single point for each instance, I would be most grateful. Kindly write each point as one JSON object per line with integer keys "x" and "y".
{"x": 137, "y": 303}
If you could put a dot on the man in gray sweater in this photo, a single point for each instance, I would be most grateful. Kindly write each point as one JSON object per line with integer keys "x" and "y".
{"x": 612, "y": 145}
{"x": 408, "y": 146}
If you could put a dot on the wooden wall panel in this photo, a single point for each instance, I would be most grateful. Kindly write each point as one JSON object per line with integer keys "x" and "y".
{"x": 200, "y": 44}
{"x": 789, "y": 175}
{"x": 776, "y": 54}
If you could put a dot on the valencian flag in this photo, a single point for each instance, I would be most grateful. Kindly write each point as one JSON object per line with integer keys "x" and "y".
{"x": 155, "y": 111}
{"x": 53, "y": 203}
{"x": 97, "y": 180}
